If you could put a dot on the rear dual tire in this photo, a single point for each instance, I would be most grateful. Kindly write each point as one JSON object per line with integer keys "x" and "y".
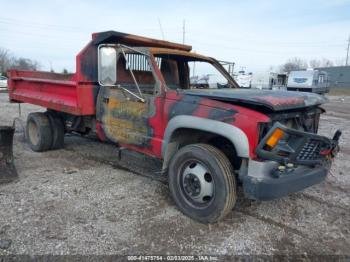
{"x": 44, "y": 131}
{"x": 57, "y": 128}
{"x": 202, "y": 183}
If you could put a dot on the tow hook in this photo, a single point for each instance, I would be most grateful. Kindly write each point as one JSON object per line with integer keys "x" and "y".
{"x": 335, "y": 148}
{"x": 337, "y": 136}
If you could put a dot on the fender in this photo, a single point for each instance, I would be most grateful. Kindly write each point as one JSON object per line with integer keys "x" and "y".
{"x": 234, "y": 134}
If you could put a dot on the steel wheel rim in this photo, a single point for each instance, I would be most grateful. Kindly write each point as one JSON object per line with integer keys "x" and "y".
{"x": 33, "y": 133}
{"x": 196, "y": 182}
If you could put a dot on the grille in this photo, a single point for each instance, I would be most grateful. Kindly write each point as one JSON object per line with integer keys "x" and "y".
{"x": 310, "y": 151}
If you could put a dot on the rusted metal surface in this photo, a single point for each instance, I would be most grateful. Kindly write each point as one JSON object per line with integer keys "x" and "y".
{"x": 8, "y": 171}
{"x": 125, "y": 121}
{"x": 273, "y": 100}
{"x": 141, "y": 126}
{"x": 135, "y": 40}
{"x": 168, "y": 51}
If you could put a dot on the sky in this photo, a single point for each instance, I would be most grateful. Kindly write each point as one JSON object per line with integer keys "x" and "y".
{"x": 254, "y": 34}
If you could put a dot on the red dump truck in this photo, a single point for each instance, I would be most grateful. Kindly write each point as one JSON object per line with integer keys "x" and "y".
{"x": 136, "y": 92}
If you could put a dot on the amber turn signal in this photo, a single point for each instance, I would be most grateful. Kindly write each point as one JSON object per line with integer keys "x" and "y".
{"x": 275, "y": 137}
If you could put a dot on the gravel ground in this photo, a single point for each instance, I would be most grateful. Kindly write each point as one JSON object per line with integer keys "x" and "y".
{"x": 79, "y": 200}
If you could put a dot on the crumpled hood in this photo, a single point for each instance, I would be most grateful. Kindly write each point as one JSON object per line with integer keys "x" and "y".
{"x": 274, "y": 100}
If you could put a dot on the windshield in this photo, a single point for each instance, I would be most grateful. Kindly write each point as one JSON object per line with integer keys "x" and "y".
{"x": 188, "y": 72}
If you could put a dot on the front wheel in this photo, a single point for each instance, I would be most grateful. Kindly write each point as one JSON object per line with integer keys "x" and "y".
{"x": 202, "y": 182}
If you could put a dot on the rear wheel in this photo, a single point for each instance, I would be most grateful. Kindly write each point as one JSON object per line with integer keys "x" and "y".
{"x": 202, "y": 182}
{"x": 57, "y": 128}
{"x": 38, "y": 132}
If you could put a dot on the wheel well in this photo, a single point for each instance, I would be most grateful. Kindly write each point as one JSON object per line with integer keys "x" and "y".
{"x": 185, "y": 136}
{"x": 79, "y": 124}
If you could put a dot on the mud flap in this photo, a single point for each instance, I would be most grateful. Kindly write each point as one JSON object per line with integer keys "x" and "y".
{"x": 8, "y": 171}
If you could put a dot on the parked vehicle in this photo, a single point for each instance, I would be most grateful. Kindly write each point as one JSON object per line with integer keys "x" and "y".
{"x": 243, "y": 79}
{"x": 3, "y": 82}
{"x": 313, "y": 81}
{"x": 205, "y": 81}
{"x": 136, "y": 92}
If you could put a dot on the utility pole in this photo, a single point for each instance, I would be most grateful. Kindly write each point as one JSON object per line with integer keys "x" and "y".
{"x": 183, "y": 31}
{"x": 347, "y": 53}
{"x": 161, "y": 28}
{"x": 51, "y": 69}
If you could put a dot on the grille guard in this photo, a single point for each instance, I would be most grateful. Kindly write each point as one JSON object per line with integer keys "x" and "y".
{"x": 306, "y": 148}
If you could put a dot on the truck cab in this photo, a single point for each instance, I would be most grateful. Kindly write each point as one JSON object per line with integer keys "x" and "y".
{"x": 136, "y": 92}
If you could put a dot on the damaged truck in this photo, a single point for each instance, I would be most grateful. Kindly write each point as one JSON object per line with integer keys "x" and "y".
{"x": 136, "y": 92}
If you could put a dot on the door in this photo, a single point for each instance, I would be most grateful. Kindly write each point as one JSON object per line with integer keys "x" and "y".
{"x": 129, "y": 105}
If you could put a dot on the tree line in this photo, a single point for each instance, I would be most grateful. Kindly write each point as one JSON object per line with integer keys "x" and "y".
{"x": 8, "y": 60}
{"x": 297, "y": 63}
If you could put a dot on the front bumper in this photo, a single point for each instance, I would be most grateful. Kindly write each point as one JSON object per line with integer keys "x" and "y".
{"x": 304, "y": 160}
{"x": 260, "y": 183}
{"x": 300, "y": 148}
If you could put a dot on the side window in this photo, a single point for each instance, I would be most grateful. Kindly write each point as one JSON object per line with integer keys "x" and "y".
{"x": 205, "y": 75}
{"x": 135, "y": 65}
{"x": 174, "y": 71}
{"x": 170, "y": 71}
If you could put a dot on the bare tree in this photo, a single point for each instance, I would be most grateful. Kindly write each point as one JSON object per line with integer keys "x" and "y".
{"x": 25, "y": 64}
{"x": 327, "y": 62}
{"x": 294, "y": 63}
{"x": 324, "y": 62}
{"x": 314, "y": 63}
{"x": 7, "y": 61}
{"x": 339, "y": 62}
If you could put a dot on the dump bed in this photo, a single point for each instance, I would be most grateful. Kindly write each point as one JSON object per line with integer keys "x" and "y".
{"x": 60, "y": 92}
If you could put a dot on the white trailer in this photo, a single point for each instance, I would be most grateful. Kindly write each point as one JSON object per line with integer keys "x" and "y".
{"x": 243, "y": 79}
{"x": 261, "y": 80}
{"x": 313, "y": 81}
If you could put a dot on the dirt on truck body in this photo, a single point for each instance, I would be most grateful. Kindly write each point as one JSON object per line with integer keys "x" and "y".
{"x": 136, "y": 92}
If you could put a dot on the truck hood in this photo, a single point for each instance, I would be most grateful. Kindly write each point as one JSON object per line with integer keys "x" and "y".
{"x": 273, "y": 100}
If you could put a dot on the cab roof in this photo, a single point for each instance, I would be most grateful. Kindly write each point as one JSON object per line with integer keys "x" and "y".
{"x": 167, "y": 51}
{"x": 135, "y": 40}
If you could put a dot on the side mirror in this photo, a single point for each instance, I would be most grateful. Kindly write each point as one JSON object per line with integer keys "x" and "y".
{"x": 107, "y": 65}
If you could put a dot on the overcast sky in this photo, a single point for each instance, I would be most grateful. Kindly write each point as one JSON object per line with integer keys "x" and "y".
{"x": 253, "y": 34}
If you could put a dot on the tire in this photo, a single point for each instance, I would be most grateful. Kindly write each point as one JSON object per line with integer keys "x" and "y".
{"x": 38, "y": 132}
{"x": 57, "y": 129}
{"x": 215, "y": 183}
